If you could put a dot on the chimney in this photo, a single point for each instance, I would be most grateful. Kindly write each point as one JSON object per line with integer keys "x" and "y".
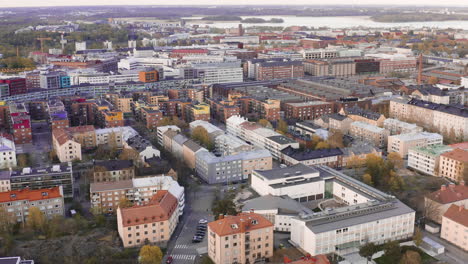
{"x": 252, "y": 210}
{"x": 461, "y": 207}
{"x": 242, "y": 226}
{"x": 443, "y": 187}
{"x": 462, "y": 183}
{"x": 221, "y": 216}
{"x": 451, "y": 185}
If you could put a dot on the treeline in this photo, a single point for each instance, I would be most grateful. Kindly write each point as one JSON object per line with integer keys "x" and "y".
{"x": 255, "y": 20}
{"x": 416, "y": 17}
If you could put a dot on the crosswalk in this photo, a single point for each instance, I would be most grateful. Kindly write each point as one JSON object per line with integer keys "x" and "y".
{"x": 181, "y": 246}
{"x": 184, "y": 257}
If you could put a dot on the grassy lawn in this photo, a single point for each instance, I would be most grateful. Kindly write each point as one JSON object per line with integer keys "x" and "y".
{"x": 391, "y": 260}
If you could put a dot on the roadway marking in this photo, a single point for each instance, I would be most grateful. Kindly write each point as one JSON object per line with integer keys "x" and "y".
{"x": 181, "y": 246}
{"x": 184, "y": 257}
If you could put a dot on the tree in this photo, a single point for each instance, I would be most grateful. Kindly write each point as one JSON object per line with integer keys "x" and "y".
{"x": 322, "y": 145}
{"x": 150, "y": 255}
{"x": 417, "y": 237}
{"x": 336, "y": 139}
{"x": 367, "y": 250}
{"x": 411, "y": 257}
{"x": 282, "y": 126}
{"x": 206, "y": 260}
{"x": 129, "y": 154}
{"x": 125, "y": 203}
{"x": 265, "y": 123}
{"x": 395, "y": 159}
{"x": 223, "y": 207}
{"x": 6, "y": 222}
{"x": 367, "y": 179}
{"x": 23, "y": 160}
{"x": 432, "y": 210}
{"x": 393, "y": 249}
{"x": 354, "y": 162}
{"x": 200, "y": 135}
{"x": 36, "y": 219}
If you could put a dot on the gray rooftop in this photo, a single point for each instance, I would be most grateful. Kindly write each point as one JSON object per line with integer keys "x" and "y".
{"x": 295, "y": 170}
{"x": 284, "y": 204}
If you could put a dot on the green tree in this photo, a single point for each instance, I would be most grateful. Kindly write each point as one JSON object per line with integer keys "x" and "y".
{"x": 282, "y": 126}
{"x": 265, "y": 123}
{"x": 411, "y": 257}
{"x": 150, "y": 255}
{"x": 393, "y": 249}
{"x": 223, "y": 207}
{"x": 367, "y": 250}
{"x": 125, "y": 203}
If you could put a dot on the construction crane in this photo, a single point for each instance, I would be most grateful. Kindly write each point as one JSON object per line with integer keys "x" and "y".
{"x": 42, "y": 42}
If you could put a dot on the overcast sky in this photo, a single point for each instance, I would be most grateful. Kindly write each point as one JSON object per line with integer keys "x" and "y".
{"x": 14, "y": 3}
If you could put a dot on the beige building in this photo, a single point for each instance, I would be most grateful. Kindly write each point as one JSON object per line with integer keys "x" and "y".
{"x": 113, "y": 170}
{"x": 189, "y": 150}
{"x": 120, "y": 103}
{"x": 367, "y": 132}
{"x": 17, "y": 203}
{"x": 340, "y": 123}
{"x": 455, "y": 226}
{"x": 447, "y": 120}
{"x": 84, "y": 135}
{"x": 330, "y": 67}
{"x": 454, "y": 164}
{"x": 65, "y": 147}
{"x": 396, "y": 127}
{"x": 244, "y": 238}
{"x": 438, "y": 202}
{"x": 153, "y": 222}
{"x": 362, "y": 115}
{"x": 403, "y": 142}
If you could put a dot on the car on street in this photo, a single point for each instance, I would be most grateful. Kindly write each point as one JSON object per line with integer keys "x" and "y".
{"x": 169, "y": 260}
{"x": 203, "y": 221}
{"x": 197, "y": 239}
{"x": 200, "y": 233}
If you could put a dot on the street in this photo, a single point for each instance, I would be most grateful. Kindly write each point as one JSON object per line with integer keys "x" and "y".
{"x": 453, "y": 254}
{"x": 197, "y": 206}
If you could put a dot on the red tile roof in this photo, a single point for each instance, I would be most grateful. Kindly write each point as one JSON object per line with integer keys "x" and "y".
{"x": 463, "y": 145}
{"x": 31, "y": 195}
{"x": 457, "y": 214}
{"x": 241, "y": 223}
{"x": 450, "y": 194}
{"x": 160, "y": 208}
{"x": 457, "y": 154}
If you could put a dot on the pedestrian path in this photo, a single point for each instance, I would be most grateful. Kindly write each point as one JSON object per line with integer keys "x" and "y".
{"x": 184, "y": 257}
{"x": 181, "y": 246}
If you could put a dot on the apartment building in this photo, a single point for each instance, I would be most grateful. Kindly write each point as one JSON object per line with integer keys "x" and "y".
{"x": 106, "y": 195}
{"x": 401, "y": 143}
{"x": 151, "y": 118}
{"x": 449, "y": 120}
{"x": 438, "y": 202}
{"x": 211, "y": 73}
{"x": 363, "y": 115}
{"x": 40, "y": 178}
{"x": 455, "y": 226}
{"x": 330, "y": 157}
{"x": 113, "y": 170}
{"x": 367, "y": 132}
{"x": 396, "y": 127}
{"x": 198, "y": 112}
{"x": 162, "y": 129}
{"x": 260, "y": 108}
{"x": 369, "y": 215}
{"x": 153, "y": 222}
{"x": 299, "y": 182}
{"x": 7, "y": 153}
{"x": 189, "y": 150}
{"x": 221, "y": 110}
{"x": 454, "y": 165}
{"x": 339, "y": 122}
{"x": 427, "y": 159}
{"x": 121, "y": 103}
{"x": 18, "y": 202}
{"x": 65, "y": 148}
{"x": 20, "y": 123}
{"x": 307, "y": 110}
{"x": 269, "y": 70}
{"x": 244, "y": 238}
{"x": 330, "y": 67}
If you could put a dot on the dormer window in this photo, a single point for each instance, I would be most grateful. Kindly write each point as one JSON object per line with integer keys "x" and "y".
{"x": 254, "y": 222}
{"x": 234, "y": 226}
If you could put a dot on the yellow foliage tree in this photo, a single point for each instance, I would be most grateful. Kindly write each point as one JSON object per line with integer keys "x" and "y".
{"x": 265, "y": 123}
{"x": 150, "y": 255}
{"x": 36, "y": 219}
{"x": 322, "y": 145}
{"x": 282, "y": 126}
{"x": 125, "y": 203}
{"x": 200, "y": 135}
{"x": 367, "y": 179}
{"x": 395, "y": 159}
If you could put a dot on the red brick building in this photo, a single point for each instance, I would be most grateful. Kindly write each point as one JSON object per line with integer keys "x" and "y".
{"x": 222, "y": 110}
{"x": 15, "y": 85}
{"x": 150, "y": 117}
{"x": 307, "y": 110}
{"x": 279, "y": 70}
{"x": 20, "y": 124}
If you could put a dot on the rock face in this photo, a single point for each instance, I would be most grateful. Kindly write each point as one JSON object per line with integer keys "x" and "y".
{"x": 99, "y": 244}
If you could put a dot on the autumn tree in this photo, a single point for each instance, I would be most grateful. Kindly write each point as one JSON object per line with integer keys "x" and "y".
{"x": 23, "y": 160}
{"x": 314, "y": 141}
{"x": 354, "y": 162}
{"x": 150, "y": 255}
{"x": 367, "y": 179}
{"x": 129, "y": 154}
{"x": 395, "y": 159}
{"x": 417, "y": 237}
{"x": 336, "y": 139}
{"x": 6, "y": 222}
{"x": 282, "y": 126}
{"x": 36, "y": 219}
{"x": 411, "y": 257}
{"x": 367, "y": 250}
{"x": 265, "y": 123}
{"x": 125, "y": 203}
{"x": 322, "y": 145}
{"x": 200, "y": 135}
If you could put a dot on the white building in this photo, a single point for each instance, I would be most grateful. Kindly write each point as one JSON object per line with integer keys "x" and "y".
{"x": 403, "y": 142}
{"x": 80, "y": 46}
{"x": 299, "y": 182}
{"x": 372, "y": 216}
{"x": 426, "y": 159}
{"x": 162, "y": 129}
{"x": 7, "y": 153}
{"x": 395, "y": 126}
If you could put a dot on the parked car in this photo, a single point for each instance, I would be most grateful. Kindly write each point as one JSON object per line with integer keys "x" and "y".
{"x": 203, "y": 221}
{"x": 169, "y": 260}
{"x": 197, "y": 239}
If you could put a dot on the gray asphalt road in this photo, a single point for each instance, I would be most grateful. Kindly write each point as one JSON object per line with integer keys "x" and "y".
{"x": 453, "y": 254}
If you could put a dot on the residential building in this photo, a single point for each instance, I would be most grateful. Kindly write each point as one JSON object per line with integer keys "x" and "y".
{"x": 210, "y": 73}
{"x": 438, "y": 202}
{"x": 401, "y": 143}
{"x": 279, "y": 210}
{"x": 454, "y": 165}
{"x": 106, "y": 195}
{"x": 339, "y": 122}
{"x": 455, "y": 226}
{"x": 396, "y": 127}
{"x": 162, "y": 129}
{"x": 148, "y": 75}
{"x": 358, "y": 114}
{"x": 143, "y": 147}
{"x": 449, "y": 120}
{"x": 189, "y": 150}
{"x": 151, "y": 118}
{"x": 357, "y": 153}
{"x": 113, "y": 170}
{"x": 198, "y": 112}
{"x": 307, "y": 110}
{"x": 426, "y": 159}
{"x": 244, "y": 238}
{"x": 16, "y": 85}
{"x": 268, "y": 70}
{"x": 369, "y": 215}
{"x": 152, "y": 222}
{"x": 20, "y": 123}
{"x": 330, "y": 157}
{"x": 7, "y": 153}
{"x": 365, "y": 131}
{"x": 65, "y": 147}
{"x": 18, "y": 202}
{"x": 330, "y": 67}
{"x": 41, "y": 178}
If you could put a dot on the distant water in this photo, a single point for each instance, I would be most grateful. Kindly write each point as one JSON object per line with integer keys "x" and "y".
{"x": 333, "y": 22}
